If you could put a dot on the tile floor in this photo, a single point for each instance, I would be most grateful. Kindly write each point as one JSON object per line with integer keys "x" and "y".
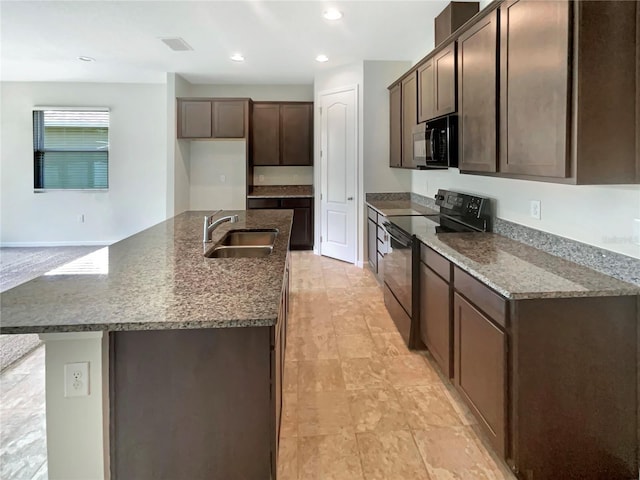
{"x": 357, "y": 403}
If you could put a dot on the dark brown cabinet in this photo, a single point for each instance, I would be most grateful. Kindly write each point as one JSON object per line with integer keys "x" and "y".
{"x": 376, "y": 242}
{"x": 302, "y": 228}
{"x": 277, "y": 368}
{"x": 282, "y": 133}
{"x": 477, "y": 102}
{"x": 395, "y": 127}
{"x": 480, "y": 368}
{"x": 372, "y": 244}
{"x": 435, "y": 308}
{"x": 409, "y": 116}
{"x": 444, "y": 69}
{"x": 206, "y": 118}
{"x": 534, "y": 83}
{"x": 426, "y": 91}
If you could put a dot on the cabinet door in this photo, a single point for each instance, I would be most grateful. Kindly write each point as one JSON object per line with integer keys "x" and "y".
{"x": 229, "y": 118}
{"x": 372, "y": 244}
{"x": 534, "y": 81}
{"x": 194, "y": 119}
{"x": 395, "y": 126}
{"x": 296, "y": 134}
{"x": 302, "y": 228}
{"x": 480, "y": 369}
{"x": 477, "y": 102}
{"x": 444, "y": 65}
{"x": 435, "y": 317}
{"x": 265, "y": 134}
{"x": 409, "y": 117}
{"x": 426, "y": 91}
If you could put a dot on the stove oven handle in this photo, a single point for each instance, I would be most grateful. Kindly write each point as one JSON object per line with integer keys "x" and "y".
{"x": 396, "y": 235}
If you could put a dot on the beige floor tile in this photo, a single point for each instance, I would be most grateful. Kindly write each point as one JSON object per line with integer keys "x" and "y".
{"x": 288, "y": 459}
{"x": 364, "y": 373}
{"x": 321, "y": 347}
{"x": 329, "y": 457}
{"x": 376, "y": 410}
{"x": 452, "y": 453}
{"x": 320, "y": 376}
{"x": 390, "y": 456}
{"x": 290, "y": 377}
{"x": 426, "y": 406}
{"x": 466, "y": 417}
{"x": 355, "y": 346}
{"x": 289, "y": 416}
{"x": 349, "y": 325}
{"x": 380, "y": 323}
{"x": 312, "y": 325}
{"x": 407, "y": 370}
{"x": 362, "y": 281}
{"x": 324, "y": 413}
{"x": 390, "y": 344}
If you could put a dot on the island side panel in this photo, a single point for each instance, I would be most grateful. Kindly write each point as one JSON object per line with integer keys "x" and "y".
{"x": 574, "y": 389}
{"x": 191, "y": 404}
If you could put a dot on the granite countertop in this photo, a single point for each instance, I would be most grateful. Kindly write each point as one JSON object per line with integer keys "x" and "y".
{"x": 389, "y": 208}
{"x": 158, "y": 279}
{"x": 518, "y": 271}
{"x": 281, "y": 191}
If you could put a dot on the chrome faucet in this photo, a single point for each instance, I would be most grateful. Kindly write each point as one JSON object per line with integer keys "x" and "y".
{"x": 210, "y": 226}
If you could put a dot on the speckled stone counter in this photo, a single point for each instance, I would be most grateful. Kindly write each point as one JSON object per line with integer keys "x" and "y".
{"x": 281, "y": 191}
{"x": 518, "y": 271}
{"x": 398, "y": 206}
{"x": 160, "y": 279}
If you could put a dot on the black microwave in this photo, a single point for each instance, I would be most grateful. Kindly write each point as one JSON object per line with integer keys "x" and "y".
{"x": 435, "y": 143}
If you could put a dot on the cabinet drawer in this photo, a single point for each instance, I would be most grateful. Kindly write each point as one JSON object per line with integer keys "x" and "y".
{"x": 264, "y": 203}
{"x": 482, "y": 296}
{"x": 373, "y": 215}
{"x": 435, "y": 262}
{"x": 295, "y": 202}
{"x": 382, "y": 234}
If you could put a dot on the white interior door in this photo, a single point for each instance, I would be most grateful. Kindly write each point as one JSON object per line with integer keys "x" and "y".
{"x": 339, "y": 149}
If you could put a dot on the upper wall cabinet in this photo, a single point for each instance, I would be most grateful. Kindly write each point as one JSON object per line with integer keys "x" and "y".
{"x": 409, "y": 116}
{"x": 568, "y": 91}
{"x": 395, "y": 124}
{"x": 282, "y": 133}
{"x": 477, "y": 102}
{"x": 437, "y": 84}
{"x": 209, "y": 118}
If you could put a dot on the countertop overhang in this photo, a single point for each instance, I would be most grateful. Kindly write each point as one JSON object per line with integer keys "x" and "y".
{"x": 159, "y": 279}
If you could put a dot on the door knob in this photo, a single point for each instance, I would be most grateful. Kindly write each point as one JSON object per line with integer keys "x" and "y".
{"x": 349, "y": 198}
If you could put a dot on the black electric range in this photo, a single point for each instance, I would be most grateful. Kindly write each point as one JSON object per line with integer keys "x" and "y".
{"x": 459, "y": 212}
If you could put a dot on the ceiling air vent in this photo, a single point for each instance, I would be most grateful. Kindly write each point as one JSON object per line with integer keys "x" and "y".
{"x": 177, "y": 44}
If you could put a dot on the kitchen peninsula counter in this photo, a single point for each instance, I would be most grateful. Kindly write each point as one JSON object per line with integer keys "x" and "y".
{"x": 159, "y": 279}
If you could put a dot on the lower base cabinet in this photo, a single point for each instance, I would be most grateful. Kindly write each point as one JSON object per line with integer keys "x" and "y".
{"x": 302, "y": 228}
{"x": 552, "y": 382}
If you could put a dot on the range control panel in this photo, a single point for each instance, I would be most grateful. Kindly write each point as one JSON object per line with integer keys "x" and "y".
{"x": 462, "y": 204}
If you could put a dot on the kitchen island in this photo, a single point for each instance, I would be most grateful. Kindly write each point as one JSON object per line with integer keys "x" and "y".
{"x": 185, "y": 383}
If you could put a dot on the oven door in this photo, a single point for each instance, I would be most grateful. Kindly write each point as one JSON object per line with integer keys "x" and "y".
{"x": 397, "y": 266}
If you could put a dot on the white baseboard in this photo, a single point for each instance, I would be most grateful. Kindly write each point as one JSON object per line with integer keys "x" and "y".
{"x": 360, "y": 264}
{"x": 57, "y": 244}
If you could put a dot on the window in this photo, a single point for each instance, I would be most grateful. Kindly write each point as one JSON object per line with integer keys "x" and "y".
{"x": 71, "y": 149}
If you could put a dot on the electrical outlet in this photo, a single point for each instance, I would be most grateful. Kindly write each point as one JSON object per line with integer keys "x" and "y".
{"x": 261, "y": 178}
{"x": 534, "y": 209}
{"x": 76, "y": 379}
{"x": 81, "y": 218}
{"x": 223, "y": 178}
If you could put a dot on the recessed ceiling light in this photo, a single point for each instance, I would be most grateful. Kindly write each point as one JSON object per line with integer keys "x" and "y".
{"x": 333, "y": 14}
{"x": 322, "y": 58}
{"x": 237, "y": 57}
{"x": 86, "y": 59}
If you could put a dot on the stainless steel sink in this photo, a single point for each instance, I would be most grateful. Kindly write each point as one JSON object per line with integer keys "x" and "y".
{"x": 244, "y": 244}
{"x": 242, "y": 251}
{"x": 249, "y": 237}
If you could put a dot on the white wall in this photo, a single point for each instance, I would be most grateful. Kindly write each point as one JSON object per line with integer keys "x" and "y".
{"x": 178, "y": 151}
{"x": 218, "y": 175}
{"x": 136, "y": 198}
{"x": 603, "y": 216}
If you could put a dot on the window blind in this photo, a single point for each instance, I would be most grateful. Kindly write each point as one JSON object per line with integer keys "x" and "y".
{"x": 71, "y": 149}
